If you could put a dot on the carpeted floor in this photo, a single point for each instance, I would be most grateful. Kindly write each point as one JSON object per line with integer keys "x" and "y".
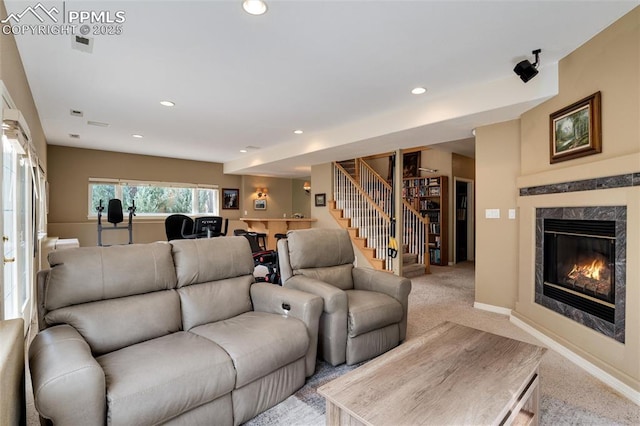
{"x": 569, "y": 395}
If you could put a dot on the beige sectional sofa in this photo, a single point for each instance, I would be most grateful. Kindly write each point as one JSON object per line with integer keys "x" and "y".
{"x": 173, "y": 333}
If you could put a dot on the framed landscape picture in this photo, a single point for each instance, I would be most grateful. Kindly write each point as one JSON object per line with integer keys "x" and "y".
{"x": 321, "y": 200}
{"x": 260, "y": 204}
{"x": 576, "y": 131}
{"x": 230, "y": 199}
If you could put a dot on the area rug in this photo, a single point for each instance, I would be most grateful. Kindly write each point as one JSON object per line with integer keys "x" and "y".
{"x": 569, "y": 395}
{"x": 307, "y": 408}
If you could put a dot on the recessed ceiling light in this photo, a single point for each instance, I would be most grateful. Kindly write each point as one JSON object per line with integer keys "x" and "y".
{"x": 298, "y": 132}
{"x": 137, "y": 136}
{"x": 243, "y": 151}
{"x": 254, "y": 7}
{"x": 418, "y": 90}
{"x": 167, "y": 103}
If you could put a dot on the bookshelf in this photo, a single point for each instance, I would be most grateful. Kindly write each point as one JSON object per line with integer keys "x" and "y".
{"x": 429, "y": 196}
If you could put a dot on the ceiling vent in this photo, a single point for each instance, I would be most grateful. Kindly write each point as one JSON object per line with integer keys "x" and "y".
{"x": 97, "y": 123}
{"x": 74, "y": 136}
{"x": 82, "y": 43}
{"x": 76, "y": 113}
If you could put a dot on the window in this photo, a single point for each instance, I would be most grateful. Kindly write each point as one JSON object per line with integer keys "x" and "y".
{"x": 154, "y": 198}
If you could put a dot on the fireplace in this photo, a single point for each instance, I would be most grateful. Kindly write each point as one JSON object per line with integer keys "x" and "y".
{"x": 579, "y": 265}
{"x": 580, "y": 268}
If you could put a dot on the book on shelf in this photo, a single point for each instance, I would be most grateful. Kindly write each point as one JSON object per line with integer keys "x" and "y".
{"x": 434, "y": 228}
{"x": 433, "y": 191}
{"x": 434, "y": 255}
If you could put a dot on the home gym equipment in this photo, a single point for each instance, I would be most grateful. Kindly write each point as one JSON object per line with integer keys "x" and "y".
{"x": 115, "y": 216}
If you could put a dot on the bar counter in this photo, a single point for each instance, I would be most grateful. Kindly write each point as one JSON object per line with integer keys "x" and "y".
{"x": 273, "y": 226}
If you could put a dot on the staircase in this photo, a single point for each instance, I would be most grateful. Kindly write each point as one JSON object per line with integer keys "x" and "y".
{"x": 362, "y": 205}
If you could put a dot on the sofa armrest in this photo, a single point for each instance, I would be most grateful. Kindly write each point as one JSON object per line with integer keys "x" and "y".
{"x": 335, "y": 300}
{"x": 306, "y": 307}
{"x": 389, "y": 284}
{"x": 68, "y": 383}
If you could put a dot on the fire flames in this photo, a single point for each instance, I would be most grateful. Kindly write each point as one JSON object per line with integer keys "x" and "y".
{"x": 592, "y": 277}
{"x": 593, "y": 270}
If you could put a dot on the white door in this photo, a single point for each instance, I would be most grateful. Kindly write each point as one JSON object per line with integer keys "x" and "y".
{"x": 16, "y": 231}
{"x": 16, "y": 222}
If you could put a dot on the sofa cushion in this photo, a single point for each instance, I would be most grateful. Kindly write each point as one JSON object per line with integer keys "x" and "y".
{"x": 210, "y": 259}
{"x": 214, "y": 301}
{"x": 157, "y": 380}
{"x": 109, "y": 325}
{"x": 370, "y": 310}
{"x": 258, "y": 343}
{"x": 338, "y": 276}
{"x": 319, "y": 247}
{"x": 90, "y": 274}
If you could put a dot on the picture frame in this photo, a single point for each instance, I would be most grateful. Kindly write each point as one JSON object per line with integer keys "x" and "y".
{"x": 230, "y": 199}
{"x": 411, "y": 164}
{"x": 321, "y": 200}
{"x": 260, "y": 204}
{"x": 576, "y": 130}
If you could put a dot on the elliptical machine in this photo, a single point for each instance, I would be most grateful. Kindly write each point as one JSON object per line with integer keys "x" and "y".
{"x": 115, "y": 216}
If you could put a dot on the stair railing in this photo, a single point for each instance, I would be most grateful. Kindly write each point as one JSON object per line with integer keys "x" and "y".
{"x": 415, "y": 234}
{"x": 371, "y": 220}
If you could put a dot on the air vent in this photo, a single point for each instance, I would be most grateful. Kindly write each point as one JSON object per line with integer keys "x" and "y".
{"x": 81, "y": 43}
{"x": 74, "y": 136}
{"x": 76, "y": 113}
{"x": 97, "y": 123}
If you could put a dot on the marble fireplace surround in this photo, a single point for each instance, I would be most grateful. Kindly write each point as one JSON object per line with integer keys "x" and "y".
{"x": 615, "y": 213}
{"x": 590, "y": 211}
{"x": 580, "y": 186}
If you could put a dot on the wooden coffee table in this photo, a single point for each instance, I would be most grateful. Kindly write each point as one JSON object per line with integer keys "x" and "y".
{"x": 451, "y": 375}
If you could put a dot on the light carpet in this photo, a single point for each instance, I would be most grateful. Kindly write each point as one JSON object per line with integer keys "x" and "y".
{"x": 569, "y": 395}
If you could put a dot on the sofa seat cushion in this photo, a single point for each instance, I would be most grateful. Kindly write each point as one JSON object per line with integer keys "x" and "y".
{"x": 370, "y": 310}
{"x": 154, "y": 381}
{"x": 258, "y": 343}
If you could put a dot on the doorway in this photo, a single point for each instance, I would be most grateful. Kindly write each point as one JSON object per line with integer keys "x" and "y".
{"x": 464, "y": 224}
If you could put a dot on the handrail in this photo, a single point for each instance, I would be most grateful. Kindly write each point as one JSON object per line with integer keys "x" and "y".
{"x": 364, "y": 213}
{"x": 415, "y": 236}
{"x": 371, "y": 200}
{"x": 381, "y": 180}
{"x": 370, "y": 169}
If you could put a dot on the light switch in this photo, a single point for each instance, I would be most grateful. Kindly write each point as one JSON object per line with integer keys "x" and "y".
{"x": 512, "y": 213}
{"x": 492, "y": 213}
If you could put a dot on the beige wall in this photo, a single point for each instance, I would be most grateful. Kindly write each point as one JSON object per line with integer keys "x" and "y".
{"x": 463, "y": 167}
{"x": 609, "y": 63}
{"x": 70, "y": 169}
{"x": 300, "y": 199}
{"x": 497, "y": 168}
{"x": 14, "y": 78}
{"x": 278, "y": 197}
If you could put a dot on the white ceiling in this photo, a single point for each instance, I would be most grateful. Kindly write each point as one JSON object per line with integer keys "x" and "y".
{"x": 341, "y": 71}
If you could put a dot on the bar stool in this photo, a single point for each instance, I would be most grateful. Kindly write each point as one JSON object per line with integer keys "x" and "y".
{"x": 262, "y": 240}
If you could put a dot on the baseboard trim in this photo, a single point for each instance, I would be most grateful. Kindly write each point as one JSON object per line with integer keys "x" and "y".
{"x": 590, "y": 368}
{"x": 491, "y": 308}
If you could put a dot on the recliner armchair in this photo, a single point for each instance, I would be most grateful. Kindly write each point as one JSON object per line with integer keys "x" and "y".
{"x": 365, "y": 311}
